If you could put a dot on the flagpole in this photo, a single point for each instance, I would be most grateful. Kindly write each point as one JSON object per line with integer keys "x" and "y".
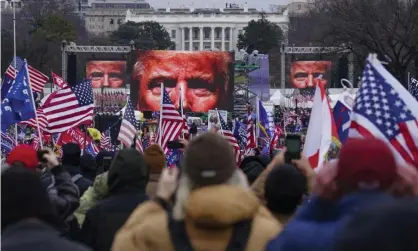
{"x": 257, "y": 124}
{"x": 181, "y": 110}
{"x": 409, "y": 81}
{"x": 33, "y": 105}
{"x": 160, "y": 131}
{"x": 14, "y": 51}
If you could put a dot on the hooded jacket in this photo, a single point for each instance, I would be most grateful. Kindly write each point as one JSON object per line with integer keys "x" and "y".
{"x": 127, "y": 179}
{"x": 93, "y": 194}
{"x": 209, "y": 220}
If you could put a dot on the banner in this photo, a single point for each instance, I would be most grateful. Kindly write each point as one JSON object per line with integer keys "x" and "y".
{"x": 213, "y": 119}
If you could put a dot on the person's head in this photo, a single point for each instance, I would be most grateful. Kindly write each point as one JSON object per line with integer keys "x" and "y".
{"x": 209, "y": 160}
{"x": 202, "y": 79}
{"x": 103, "y": 161}
{"x": 87, "y": 163}
{"x": 252, "y": 168}
{"x": 284, "y": 189}
{"x": 24, "y": 197}
{"x": 128, "y": 171}
{"x": 305, "y": 73}
{"x": 71, "y": 154}
{"x": 110, "y": 74}
{"x": 23, "y": 155}
{"x": 388, "y": 226}
{"x": 365, "y": 164}
{"x": 155, "y": 158}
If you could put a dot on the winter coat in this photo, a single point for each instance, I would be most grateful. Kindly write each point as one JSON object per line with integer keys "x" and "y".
{"x": 317, "y": 223}
{"x": 35, "y": 235}
{"x": 93, "y": 194}
{"x": 62, "y": 192}
{"x": 211, "y": 214}
{"x": 82, "y": 183}
{"x": 127, "y": 179}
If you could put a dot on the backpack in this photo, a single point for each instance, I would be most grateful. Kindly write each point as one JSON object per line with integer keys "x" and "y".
{"x": 181, "y": 241}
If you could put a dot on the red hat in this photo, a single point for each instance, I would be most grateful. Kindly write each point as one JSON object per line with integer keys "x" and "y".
{"x": 366, "y": 163}
{"x": 24, "y": 154}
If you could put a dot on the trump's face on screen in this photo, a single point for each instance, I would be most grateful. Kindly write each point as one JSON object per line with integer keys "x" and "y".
{"x": 306, "y": 73}
{"x": 201, "y": 78}
{"x": 107, "y": 74}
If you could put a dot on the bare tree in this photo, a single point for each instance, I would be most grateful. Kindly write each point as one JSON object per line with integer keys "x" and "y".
{"x": 386, "y": 27}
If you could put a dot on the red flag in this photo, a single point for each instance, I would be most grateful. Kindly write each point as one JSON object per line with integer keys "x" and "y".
{"x": 58, "y": 81}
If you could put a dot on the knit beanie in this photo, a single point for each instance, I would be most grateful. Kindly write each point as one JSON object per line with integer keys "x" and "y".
{"x": 24, "y": 154}
{"x": 71, "y": 154}
{"x": 366, "y": 164}
{"x": 155, "y": 158}
{"x": 24, "y": 197}
{"x": 209, "y": 160}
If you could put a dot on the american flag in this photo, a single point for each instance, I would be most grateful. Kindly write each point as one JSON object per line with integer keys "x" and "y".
{"x": 37, "y": 78}
{"x": 172, "y": 123}
{"x": 250, "y": 136}
{"x": 69, "y": 107}
{"x": 36, "y": 142}
{"x": 413, "y": 88}
{"x": 226, "y": 132}
{"x": 105, "y": 142}
{"x": 129, "y": 127}
{"x": 43, "y": 122}
{"x": 276, "y": 137}
{"x": 385, "y": 110}
{"x": 138, "y": 144}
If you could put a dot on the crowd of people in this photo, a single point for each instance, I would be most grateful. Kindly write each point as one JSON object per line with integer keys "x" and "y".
{"x": 130, "y": 200}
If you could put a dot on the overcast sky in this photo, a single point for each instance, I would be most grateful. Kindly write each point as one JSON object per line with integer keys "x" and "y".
{"x": 259, "y": 4}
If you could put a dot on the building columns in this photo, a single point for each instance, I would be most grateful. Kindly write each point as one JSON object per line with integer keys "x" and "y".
{"x": 201, "y": 38}
{"x": 183, "y": 41}
{"x": 231, "y": 39}
{"x": 212, "y": 38}
{"x": 223, "y": 38}
{"x": 190, "y": 38}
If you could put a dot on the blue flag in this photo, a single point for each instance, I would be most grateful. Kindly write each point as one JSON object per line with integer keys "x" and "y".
{"x": 263, "y": 121}
{"x": 6, "y": 84}
{"x": 18, "y": 104}
{"x": 342, "y": 120}
{"x": 173, "y": 157}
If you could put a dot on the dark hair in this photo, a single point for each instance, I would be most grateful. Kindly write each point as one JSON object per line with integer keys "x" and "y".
{"x": 284, "y": 189}
{"x": 25, "y": 197}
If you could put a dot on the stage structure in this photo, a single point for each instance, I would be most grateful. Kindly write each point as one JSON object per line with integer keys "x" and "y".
{"x": 244, "y": 64}
{"x": 314, "y": 50}
{"x": 67, "y": 48}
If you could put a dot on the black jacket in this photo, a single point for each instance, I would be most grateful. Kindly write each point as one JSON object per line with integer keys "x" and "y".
{"x": 62, "y": 192}
{"x": 127, "y": 179}
{"x": 35, "y": 235}
{"x": 82, "y": 183}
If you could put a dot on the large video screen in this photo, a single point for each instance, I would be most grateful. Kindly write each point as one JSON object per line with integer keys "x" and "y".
{"x": 106, "y": 73}
{"x": 204, "y": 79}
{"x": 305, "y": 74}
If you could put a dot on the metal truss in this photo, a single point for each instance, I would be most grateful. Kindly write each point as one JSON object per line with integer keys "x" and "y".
{"x": 97, "y": 49}
{"x": 314, "y": 50}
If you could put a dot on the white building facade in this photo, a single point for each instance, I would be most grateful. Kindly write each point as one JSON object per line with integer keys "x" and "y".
{"x": 206, "y": 29}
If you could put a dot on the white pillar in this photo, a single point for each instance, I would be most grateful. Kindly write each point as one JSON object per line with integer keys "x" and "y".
{"x": 201, "y": 38}
{"x": 183, "y": 41}
{"x": 212, "y": 38}
{"x": 190, "y": 38}
{"x": 231, "y": 39}
{"x": 223, "y": 39}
